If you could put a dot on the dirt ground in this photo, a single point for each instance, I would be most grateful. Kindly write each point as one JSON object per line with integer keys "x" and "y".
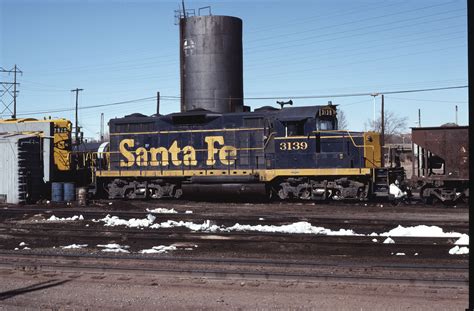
{"x": 20, "y": 291}
{"x": 33, "y": 290}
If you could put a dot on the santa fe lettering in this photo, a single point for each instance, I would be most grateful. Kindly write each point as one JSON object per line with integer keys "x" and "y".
{"x": 175, "y": 155}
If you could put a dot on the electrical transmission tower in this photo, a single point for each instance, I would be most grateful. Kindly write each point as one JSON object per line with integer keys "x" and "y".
{"x": 8, "y": 89}
{"x": 76, "y": 141}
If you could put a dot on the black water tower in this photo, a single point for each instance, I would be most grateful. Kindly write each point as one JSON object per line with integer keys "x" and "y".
{"x": 211, "y": 63}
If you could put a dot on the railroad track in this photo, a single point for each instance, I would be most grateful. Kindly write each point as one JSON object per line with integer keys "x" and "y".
{"x": 239, "y": 269}
{"x": 47, "y": 236}
{"x": 355, "y": 222}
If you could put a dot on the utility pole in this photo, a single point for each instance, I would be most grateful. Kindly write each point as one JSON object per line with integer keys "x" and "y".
{"x": 182, "y": 58}
{"x": 382, "y": 134}
{"x": 456, "y": 114}
{"x": 157, "y": 103}
{"x": 374, "y": 95}
{"x": 15, "y": 70}
{"x": 101, "y": 127}
{"x": 419, "y": 117}
{"x": 76, "y": 136}
{"x": 470, "y": 48}
{"x": 7, "y": 89}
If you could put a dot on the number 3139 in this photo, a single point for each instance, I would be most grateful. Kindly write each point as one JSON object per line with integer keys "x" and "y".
{"x": 294, "y": 145}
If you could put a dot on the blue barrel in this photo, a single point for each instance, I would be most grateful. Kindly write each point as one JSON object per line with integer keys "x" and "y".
{"x": 69, "y": 192}
{"x": 57, "y": 192}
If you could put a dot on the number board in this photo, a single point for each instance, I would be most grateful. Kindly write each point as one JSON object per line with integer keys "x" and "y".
{"x": 293, "y": 145}
{"x": 327, "y": 111}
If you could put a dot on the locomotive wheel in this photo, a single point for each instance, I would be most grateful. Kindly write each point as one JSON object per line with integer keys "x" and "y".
{"x": 178, "y": 193}
{"x": 282, "y": 194}
{"x": 157, "y": 193}
{"x": 361, "y": 194}
{"x": 305, "y": 194}
{"x": 129, "y": 194}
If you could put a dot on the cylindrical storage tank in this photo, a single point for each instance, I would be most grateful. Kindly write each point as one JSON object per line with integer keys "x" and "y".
{"x": 81, "y": 195}
{"x": 57, "y": 192}
{"x": 211, "y": 63}
{"x": 69, "y": 192}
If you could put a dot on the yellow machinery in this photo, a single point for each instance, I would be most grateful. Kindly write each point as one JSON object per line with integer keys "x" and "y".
{"x": 56, "y": 134}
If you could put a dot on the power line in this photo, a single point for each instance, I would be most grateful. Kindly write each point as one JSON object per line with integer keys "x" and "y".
{"x": 394, "y": 39}
{"x": 413, "y": 84}
{"x": 161, "y": 59}
{"x": 370, "y": 60}
{"x": 308, "y": 40}
{"x": 351, "y": 22}
{"x": 428, "y": 100}
{"x": 324, "y": 16}
{"x": 349, "y": 53}
{"x": 176, "y": 98}
{"x": 370, "y": 93}
{"x": 165, "y": 58}
{"x": 339, "y": 95}
{"x": 90, "y": 107}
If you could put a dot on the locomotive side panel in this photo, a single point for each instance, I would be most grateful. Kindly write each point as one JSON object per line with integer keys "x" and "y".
{"x": 222, "y": 144}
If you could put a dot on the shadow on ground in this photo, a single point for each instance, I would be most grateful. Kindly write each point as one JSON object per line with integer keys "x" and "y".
{"x": 31, "y": 288}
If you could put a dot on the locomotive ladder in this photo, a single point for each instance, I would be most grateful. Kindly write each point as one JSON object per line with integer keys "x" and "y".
{"x": 380, "y": 182}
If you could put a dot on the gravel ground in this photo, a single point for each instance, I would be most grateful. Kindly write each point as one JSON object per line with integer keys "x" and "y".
{"x": 82, "y": 291}
{"x": 20, "y": 290}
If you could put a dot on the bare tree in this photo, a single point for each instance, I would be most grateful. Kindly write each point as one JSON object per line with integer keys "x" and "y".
{"x": 341, "y": 120}
{"x": 394, "y": 125}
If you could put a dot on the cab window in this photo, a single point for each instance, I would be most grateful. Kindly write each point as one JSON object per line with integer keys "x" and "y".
{"x": 325, "y": 124}
{"x": 294, "y": 128}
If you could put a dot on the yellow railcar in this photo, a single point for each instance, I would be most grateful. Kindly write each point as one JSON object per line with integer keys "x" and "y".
{"x": 57, "y": 131}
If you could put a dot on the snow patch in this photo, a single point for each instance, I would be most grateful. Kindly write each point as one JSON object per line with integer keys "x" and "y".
{"x": 73, "y": 218}
{"x": 421, "y": 231}
{"x": 188, "y": 212}
{"x": 205, "y": 226}
{"x": 158, "y": 249}
{"x": 22, "y": 244}
{"x": 456, "y": 250}
{"x": 302, "y": 227}
{"x": 396, "y": 192}
{"x": 114, "y": 248}
{"x": 162, "y": 211}
{"x": 112, "y": 221}
{"x": 297, "y": 227}
{"x": 73, "y": 246}
{"x": 463, "y": 240}
{"x": 400, "y": 254}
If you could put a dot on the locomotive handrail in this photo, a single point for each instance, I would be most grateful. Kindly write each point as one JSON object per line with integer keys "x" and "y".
{"x": 268, "y": 140}
{"x": 350, "y": 136}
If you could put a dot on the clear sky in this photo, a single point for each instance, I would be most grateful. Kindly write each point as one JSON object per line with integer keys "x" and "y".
{"x": 124, "y": 50}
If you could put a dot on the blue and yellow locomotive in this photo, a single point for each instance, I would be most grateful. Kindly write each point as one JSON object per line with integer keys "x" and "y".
{"x": 293, "y": 152}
